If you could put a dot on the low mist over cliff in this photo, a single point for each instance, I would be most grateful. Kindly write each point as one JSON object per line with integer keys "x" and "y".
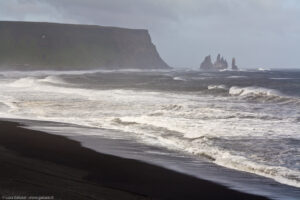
{"x": 50, "y": 46}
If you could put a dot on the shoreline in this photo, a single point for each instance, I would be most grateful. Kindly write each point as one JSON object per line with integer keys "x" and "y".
{"x": 38, "y": 163}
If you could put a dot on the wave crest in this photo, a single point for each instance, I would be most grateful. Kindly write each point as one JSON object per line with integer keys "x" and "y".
{"x": 262, "y": 95}
{"x": 53, "y": 80}
{"x": 32, "y": 81}
{"x": 253, "y": 91}
{"x": 217, "y": 87}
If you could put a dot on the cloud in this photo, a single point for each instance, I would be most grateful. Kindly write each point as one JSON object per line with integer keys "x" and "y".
{"x": 257, "y": 32}
{"x": 28, "y": 10}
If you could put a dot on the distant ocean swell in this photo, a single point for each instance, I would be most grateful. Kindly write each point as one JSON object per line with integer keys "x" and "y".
{"x": 216, "y": 127}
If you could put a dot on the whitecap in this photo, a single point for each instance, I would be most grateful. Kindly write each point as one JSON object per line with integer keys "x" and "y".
{"x": 217, "y": 87}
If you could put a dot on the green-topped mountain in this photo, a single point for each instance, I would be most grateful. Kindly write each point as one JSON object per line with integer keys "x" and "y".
{"x": 51, "y": 46}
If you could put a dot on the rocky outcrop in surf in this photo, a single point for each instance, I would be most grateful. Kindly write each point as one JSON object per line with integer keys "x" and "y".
{"x": 52, "y": 46}
{"x": 207, "y": 63}
{"x": 233, "y": 65}
{"x": 220, "y": 64}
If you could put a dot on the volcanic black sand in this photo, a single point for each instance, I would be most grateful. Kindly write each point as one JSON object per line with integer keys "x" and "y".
{"x": 38, "y": 164}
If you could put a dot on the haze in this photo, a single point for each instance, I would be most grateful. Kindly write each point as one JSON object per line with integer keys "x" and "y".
{"x": 259, "y": 33}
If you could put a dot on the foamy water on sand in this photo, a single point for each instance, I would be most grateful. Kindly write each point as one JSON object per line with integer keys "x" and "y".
{"x": 247, "y": 121}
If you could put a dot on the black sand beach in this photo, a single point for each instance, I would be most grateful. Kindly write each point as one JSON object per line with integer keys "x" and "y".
{"x": 34, "y": 163}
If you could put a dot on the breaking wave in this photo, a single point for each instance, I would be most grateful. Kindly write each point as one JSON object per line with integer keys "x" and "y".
{"x": 217, "y": 87}
{"x": 263, "y": 69}
{"x": 185, "y": 122}
{"x": 253, "y": 91}
{"x": 203, "y": 146}
{"x": 261, "y": 94}
{"x": 179, "y": 79}
{"x": 53, "y": 80}
{"x": 33, "y": 81}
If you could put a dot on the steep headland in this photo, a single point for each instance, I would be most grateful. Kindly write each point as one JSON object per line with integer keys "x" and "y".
{"x": 51, "y": 46}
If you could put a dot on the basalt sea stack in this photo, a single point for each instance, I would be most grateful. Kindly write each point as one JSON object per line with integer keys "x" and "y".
{"x": 219, "y": 64}
{"x": 51, "y": 46}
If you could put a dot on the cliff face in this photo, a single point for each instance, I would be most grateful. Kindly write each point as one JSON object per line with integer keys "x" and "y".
{"x": 38, "y": 46}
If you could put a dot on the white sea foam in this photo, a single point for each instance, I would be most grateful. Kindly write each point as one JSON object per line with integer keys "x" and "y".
{"x": 261, "y": 94}
{"x": 179, "y": 79}
{"x": 253, "y": 91}
{"x": 219, "y": 87}
{"x": 53, "y": 79}
{"x": 24, "y": 82}
{"x": 236, "y": 77}
{"x": 263, "y": 69}
{"x": 283, "y": 78}
{"x": 186, "y": 122}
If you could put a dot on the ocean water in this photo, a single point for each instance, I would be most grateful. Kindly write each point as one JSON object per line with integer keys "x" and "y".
{"x": 246, "y": 121}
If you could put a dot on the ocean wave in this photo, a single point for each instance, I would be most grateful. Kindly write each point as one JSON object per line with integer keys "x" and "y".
{"x": 204, "y": 147}
{"x": 236, "y": 77}
{"x": 263, "y": 95}
{"x": 184, "y": 122}
{"x": 34, "y": 81}
{"x": 227, "y": 159}
{"x": 179, "y": 79}
{"x": 120, "y": 121}
{"x": 24, "y": 82}
{"x": 253, "y": 91}
{"x": 263, "y": 69}
{"x": 52, "y": 80}
{"x": 217, "y": 87}
{"x": 283, "y": 78}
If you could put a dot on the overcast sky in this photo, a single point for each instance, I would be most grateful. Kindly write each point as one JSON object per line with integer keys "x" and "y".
{"x": 259, "y": 33}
